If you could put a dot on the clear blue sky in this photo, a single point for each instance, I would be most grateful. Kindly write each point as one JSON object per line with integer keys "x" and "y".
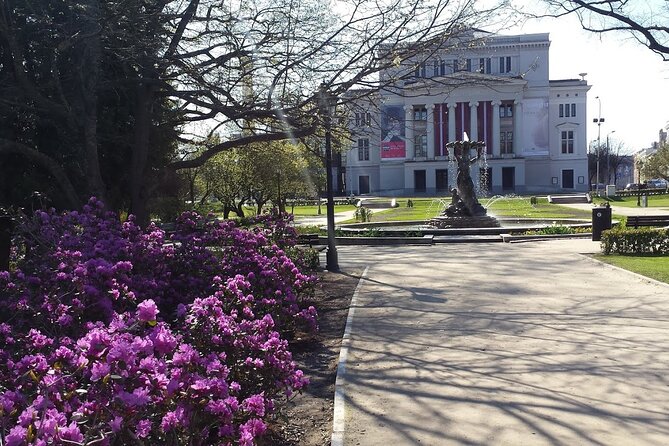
{"x": 631, "y": 81}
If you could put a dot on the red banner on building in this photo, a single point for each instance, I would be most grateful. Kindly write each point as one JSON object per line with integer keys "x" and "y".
{"x": 393, "y": 144}
{"x": 393, "y": 149}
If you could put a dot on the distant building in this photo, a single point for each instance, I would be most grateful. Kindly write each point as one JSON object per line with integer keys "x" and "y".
{"x": 496, "y": 90}
{"x": 644, "y": 153}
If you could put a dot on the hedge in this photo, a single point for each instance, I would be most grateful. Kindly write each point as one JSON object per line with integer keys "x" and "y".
{"x": 635, "y": 241}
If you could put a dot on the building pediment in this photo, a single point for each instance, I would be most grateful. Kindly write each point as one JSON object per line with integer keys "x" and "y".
{"x": 464, "y": 79}
{"x": 568, "y": 125}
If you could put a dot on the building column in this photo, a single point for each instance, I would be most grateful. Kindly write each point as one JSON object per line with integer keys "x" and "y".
{"x": 451, "y": 126}
{"x": 495, "y": 129}
{"x": 451, "y": 122}
{"x": 429, "y": 130}
{"x": 473, "y": 121}
{"x": 517, "y": 125}
{"x": 408, "y": 131}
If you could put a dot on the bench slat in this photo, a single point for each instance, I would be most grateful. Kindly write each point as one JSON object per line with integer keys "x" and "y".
{"x": 648, "y": 220}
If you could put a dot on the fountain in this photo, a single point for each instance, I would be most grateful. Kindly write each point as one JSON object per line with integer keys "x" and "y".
{"x": 464, "y": 211}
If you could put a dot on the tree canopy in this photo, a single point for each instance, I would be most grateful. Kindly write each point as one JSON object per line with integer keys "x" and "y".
{"x": 96, "y": 95}
{"x": 657, "y": 164}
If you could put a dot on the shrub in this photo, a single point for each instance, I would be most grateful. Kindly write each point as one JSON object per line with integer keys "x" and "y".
{"x": 363, "y": 214}
{"x": 371, "y": 232}
{"x": 115, "y": 335}
{"x": 635, "y": 241}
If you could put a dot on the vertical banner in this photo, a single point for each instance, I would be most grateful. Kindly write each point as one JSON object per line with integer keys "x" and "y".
{"x": 535, "y": 125}
{"x": 393, "y": 141}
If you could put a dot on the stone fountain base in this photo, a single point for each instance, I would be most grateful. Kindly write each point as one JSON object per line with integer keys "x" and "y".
{"x": 445, "y": 222}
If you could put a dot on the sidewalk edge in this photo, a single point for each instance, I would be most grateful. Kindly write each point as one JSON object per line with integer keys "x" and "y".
{"x": 339, "y": 418}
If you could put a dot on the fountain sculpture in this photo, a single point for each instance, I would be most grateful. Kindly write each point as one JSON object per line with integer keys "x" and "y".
{"x": 465, "y": 211}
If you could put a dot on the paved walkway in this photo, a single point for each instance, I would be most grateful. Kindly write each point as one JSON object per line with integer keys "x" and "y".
{"x": 623, "y": 210}
{"x": 322, "y": 219}
{"x": 503, "y": 344}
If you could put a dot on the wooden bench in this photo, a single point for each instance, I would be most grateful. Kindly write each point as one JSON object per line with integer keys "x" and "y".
{"x": 636, "y": 221}
{"x": 308, "y": 239}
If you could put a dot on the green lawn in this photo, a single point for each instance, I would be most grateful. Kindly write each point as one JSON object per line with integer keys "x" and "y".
{"x": 655, "y": 267}
{"x": 423, "y": 208}
{"x": 520, "y": 207}
{"x": 653, "y": 201}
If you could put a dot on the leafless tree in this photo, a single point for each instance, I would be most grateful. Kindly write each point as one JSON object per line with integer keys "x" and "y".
{"x": 645, "y": 21}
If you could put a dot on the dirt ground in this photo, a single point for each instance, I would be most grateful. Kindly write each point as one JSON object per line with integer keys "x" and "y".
{"x": 307, "y": 420}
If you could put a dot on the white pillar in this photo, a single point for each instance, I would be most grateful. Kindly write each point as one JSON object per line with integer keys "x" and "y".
{"x": 473, "y": 121}
{"x": 495, "y": 129}
{"x": 408, "y": 131}
{"x": 517, "y": 126}
{"x": 429, "y": 130}
{"x": 451, "y": 121}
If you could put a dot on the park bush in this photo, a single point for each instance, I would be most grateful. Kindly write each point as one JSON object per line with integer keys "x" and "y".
{"x": 363, "y": 214}
{"x": 635, "y": 241}
{"x": 111, "y": 334}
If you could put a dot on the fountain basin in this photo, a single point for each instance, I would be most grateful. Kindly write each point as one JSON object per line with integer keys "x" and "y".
{"x": 506, "y": 226}
{"x": 447, "y": 222}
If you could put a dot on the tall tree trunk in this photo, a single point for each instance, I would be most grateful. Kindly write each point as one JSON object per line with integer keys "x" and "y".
{"x": 140, "y": 154}
{"x": 240, "y": 210}
{"x": 91, "y": 79}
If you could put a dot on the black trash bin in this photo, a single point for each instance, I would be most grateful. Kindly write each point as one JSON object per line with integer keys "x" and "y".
{"x": 601, "y": 220}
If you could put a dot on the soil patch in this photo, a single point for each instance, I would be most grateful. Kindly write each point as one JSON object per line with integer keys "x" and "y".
{"x": 307, "y": 419}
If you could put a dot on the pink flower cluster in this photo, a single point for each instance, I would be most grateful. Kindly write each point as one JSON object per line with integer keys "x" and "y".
{"x": 111, "y": 334}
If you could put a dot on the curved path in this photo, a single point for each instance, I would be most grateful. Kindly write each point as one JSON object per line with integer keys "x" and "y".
{"x": 503, "y": 344}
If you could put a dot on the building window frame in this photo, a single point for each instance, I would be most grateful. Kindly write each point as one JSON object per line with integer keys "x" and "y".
{"x": 505, "y": 64}
{"x": 506, "y": 111}
{"x": 420, "y": 146}
{"x": 567, "y": 110}
{"x": 567, "y": 142}
{"x": 363, "y": 149}
{"x": 485, "y": 65}
{"x": 420, "y": 113}
{"x": 363, "y": 119}
{"x": 505, "y": 142}
{"x": 421, "y": 70}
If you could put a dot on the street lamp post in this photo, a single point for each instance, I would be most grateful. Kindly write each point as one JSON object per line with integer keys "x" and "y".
{"x": 599, "y": 121}
{"x": 608, "y": 157}
{"x": 638, "y": 173}
{"x": 328, "y": 103}
{"x": 638, "y": 193}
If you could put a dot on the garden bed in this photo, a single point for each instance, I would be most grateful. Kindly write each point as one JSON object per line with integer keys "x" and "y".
{"x": 308, "y": 418}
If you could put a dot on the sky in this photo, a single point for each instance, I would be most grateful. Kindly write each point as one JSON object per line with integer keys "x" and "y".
{"x": 631, "y": 81}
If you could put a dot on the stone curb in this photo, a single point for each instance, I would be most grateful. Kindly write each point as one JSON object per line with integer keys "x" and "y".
{"x": 339, "y": 418}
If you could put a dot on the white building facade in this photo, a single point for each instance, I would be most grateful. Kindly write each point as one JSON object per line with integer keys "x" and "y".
{"x": 496, "y": 91}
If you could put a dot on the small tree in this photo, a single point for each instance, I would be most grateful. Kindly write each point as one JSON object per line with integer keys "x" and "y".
{"x": 657, "y": 164}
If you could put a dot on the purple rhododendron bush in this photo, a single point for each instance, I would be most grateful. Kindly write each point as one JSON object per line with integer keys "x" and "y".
{"x": 115, "y": 335}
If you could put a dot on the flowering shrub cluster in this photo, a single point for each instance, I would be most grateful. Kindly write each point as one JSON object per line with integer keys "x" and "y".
{"x": 114, "y": 335}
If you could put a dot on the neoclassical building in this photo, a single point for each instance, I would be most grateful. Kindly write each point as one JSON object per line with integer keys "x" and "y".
{"x": 495, "y": 90}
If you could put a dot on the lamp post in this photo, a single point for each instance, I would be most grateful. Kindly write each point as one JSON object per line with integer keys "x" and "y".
{"x": 638, "y": 173}
{"x": 598, "y": 120}
{"x": 638, "y": 193}
{"x": 608, "y": 157}
{"x": 328, "y": 104}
